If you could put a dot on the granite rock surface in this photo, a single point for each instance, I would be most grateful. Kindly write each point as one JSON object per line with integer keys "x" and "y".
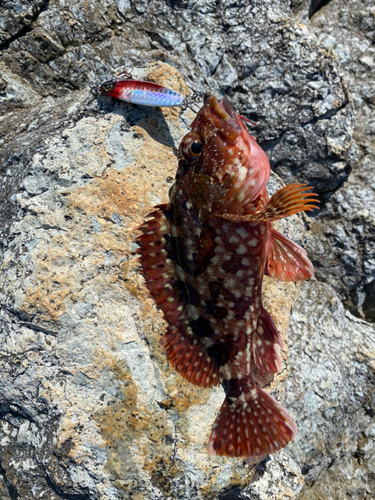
{"x": 89, "y": 407}
{"x": 342, "y": 242}
{"x": 63, "y": 163}
{"x": 331, "y": 388}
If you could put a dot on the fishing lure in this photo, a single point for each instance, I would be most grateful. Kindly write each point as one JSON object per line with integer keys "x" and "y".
{"x": 125, "y": 88}
{"x": 145, "y": 93}
{"x": 152, "y": 94}
{"x": 204, "y": 256}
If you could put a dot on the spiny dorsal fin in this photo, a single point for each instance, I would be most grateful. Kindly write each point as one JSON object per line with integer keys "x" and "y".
{"x": 185, "y": 351}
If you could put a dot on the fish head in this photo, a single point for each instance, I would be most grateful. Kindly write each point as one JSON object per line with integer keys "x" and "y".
{"x": 226, "y": 167}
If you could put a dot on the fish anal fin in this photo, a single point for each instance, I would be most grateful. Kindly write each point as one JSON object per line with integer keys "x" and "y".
{"x": 251, "y": 425}
{"x": 189, "y": 357}
{"x": 266, "y": 336}
{"x": 287, "y": 260}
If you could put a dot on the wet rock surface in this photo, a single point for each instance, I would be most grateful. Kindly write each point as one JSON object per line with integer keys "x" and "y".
{"x": 78, "y": 418}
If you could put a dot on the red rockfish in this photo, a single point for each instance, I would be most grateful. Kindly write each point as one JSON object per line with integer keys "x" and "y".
{"x": 204, "y": 256}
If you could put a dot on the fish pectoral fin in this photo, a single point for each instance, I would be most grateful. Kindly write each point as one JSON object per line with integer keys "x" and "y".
{"x": 266, "y": 336}
{"x": 289, "y": 200}
{"x": 252, "y": 425}
{"x": 287, "y": 260}
{"x": 285, "y": 202}
{"x": 188, "y": 355}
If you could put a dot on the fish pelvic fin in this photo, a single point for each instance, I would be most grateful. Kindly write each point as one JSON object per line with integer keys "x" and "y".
{"x": 285, "y": 202}
{"x": 250, "y": 424}
{"x": 287, "y": 260}
{"x": 266, "y": 336}
{"x": 185, "y": 351}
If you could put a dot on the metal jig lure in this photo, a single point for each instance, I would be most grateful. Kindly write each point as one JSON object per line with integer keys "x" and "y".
{"x": 125, "y": 88}
{"x": 138, "y": 92}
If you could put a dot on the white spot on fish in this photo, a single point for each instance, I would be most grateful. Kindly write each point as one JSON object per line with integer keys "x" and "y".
{"x": 242, "y": 172}
{"x": 193, "y": 311}
{"x": 241, "y": 250}
{"x": 234, "y": 239}
{"x": 242, "y": 232}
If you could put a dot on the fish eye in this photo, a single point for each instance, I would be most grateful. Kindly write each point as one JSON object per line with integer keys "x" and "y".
{"x": 107, "y": 86}
{"x": 191, "y": 146}
{"x": 196, "y": 148}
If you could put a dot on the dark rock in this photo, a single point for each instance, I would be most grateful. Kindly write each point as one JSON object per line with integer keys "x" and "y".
{"x": 343, "y": 242}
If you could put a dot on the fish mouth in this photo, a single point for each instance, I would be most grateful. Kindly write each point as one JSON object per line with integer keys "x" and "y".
{"x": 224, "y": 118}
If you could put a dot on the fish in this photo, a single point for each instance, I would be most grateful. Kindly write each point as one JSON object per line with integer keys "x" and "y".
{"x": 203, "y": 256}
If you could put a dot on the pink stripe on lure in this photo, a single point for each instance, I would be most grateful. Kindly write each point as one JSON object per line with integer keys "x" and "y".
{"x": 146, "y": 93}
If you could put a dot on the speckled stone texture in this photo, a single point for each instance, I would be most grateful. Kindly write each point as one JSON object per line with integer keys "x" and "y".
{"x": 331, "y": 388}
{"x": 89, "y": 405}
{"x": 346, "y": 226}
{"x": 69, "y": 269}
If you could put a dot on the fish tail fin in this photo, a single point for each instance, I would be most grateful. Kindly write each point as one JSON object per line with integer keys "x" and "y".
{"x": 250, "y": 424}
{"x": 266, "y": 336}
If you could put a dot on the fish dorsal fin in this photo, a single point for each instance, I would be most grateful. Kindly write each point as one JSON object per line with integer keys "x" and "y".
{"x": 189, "y": 357}
{"x": 287, "y": 260}
{"x": 266, "y": 336}
{"x": 186, "y": 351}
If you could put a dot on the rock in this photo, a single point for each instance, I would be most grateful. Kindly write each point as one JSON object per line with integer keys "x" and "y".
{"x": 292, "y": 78}
{"x": 277, "y": 477}
{"x": 342, "y": 244}
{"x": 331, "y": 388}
{"x": 270, "y": 66}
{"x": 89, "y": 407}
{"x": 4, "y": 492}
{"x": 17, "y": 17}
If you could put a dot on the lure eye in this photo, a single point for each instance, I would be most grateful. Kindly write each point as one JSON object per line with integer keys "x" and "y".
{"x": 107, "y": 86}
{"x": 191, "y": 146}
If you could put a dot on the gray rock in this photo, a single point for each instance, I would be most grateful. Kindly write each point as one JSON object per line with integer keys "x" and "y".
{"x": 342, "y": 244}
{"x": 89, "y": 407}
{"x": 271, "y": 66}
{"x": 331, "y": 389}
{"x": 16, "y": 18}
